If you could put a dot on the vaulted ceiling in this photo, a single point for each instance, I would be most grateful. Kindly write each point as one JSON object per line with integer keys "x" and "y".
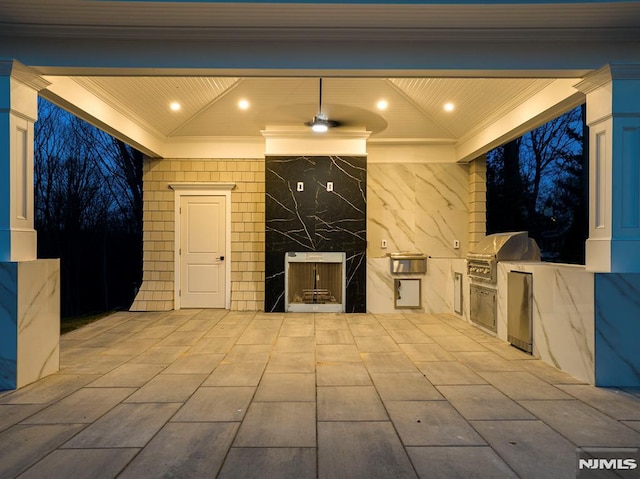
{"x": 209, "y": 105}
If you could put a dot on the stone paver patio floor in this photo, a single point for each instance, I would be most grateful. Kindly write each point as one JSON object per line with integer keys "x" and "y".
{"x": 212, "y": 393}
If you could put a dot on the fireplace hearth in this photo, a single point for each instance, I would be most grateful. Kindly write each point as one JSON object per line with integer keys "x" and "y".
{"x": 315, "y": 282}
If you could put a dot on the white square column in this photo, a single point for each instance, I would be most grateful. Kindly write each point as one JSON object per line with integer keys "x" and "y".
{"x": 613, "y": 247}
{"x": 29, "y": 287}
{"x": 18, "y": 112}
{"x": 613, "y": 116}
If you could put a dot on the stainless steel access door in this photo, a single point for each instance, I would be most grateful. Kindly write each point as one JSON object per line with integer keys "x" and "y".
{"x": 482, "y": 306}
{"x": 520, "y": 310}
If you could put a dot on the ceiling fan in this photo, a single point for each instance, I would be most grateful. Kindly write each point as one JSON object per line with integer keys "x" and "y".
{"x": 320, "y": 122}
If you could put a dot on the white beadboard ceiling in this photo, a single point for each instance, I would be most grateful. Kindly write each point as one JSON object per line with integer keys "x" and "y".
{"x": 415, "y": 111}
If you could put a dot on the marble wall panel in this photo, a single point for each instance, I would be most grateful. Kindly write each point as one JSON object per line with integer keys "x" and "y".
{"x": 379, "y": 286}
{"x": 418, "y": 207}
{"x": 443, "y": 185}
{"x": 316, "y": 219}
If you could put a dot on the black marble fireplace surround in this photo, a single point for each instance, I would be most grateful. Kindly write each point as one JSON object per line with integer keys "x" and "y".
{"x": 316, "y": 219}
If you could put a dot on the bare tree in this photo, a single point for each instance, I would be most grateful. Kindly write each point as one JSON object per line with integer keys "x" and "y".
{"x": 506, "y": 201}
{"x": 547, "y": 151}
{"x": 88, "y": 190}
{"x": 536, "y": 183}
{"x": 121, "y": 169}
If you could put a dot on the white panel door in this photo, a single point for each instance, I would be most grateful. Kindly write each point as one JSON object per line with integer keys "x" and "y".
{"x": 202, "y": 251}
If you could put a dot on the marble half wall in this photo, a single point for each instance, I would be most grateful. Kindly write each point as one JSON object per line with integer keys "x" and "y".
{"x": 29, "y": 321}
{"x": 316, "y": 218}
{"x": 563, "y": 315}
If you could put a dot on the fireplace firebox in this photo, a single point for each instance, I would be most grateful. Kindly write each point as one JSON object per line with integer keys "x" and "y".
{"x": 315, "y": 282}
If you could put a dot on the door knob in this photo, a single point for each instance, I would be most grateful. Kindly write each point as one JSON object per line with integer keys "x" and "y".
{"x": 221, "y": 258}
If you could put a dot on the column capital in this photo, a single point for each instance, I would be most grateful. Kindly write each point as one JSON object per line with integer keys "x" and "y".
{"x": 19, "y": 88}
{"x": 613, "y": 116}
{"x": 23, "y": 74}
{"x": 607, "y": 74}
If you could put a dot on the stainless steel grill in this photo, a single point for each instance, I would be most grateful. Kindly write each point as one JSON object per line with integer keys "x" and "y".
{"x": 482, "y": 262}
{"x": 482, "y": 265}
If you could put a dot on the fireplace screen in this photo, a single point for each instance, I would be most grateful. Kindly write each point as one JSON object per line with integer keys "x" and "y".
{"x": 315, "y": 282}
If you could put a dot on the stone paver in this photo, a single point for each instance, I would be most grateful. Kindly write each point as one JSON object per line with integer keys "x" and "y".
{"x": 583, "y": 425}
{"x": 287, "y": 387}
{"x": 278, "y": 424}
{"x": 431, "y": 423}
{"x": 126, "y": 425}
{"x": 187, "y": 450}
{"x": 404, "y": 387}
{"x": 361, "y": 450}
{"x": 350, "y": 403}
{"x": 459, "y": 463}
{"x": 216, "y": 404}
{"x": 531, "y": 448}
{"x": 24, "y": 445}
{"x": 483, "y": 402}
{"x": 269, "y": 463}
{"x": 81, "y": 463}
{"x": 219, "y": 394}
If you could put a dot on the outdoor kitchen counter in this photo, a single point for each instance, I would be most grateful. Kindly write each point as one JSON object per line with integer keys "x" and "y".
{"x": 563, "y": 314}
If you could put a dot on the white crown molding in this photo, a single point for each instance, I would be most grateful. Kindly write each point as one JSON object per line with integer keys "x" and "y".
{"x": 413, "y": 141}
{"x": 606, "y": 74}
{"x": 23, "y": 74}
{"x": 307, "y": 134}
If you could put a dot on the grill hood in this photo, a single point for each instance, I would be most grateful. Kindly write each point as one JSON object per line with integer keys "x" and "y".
{"x": 516, "y": 246}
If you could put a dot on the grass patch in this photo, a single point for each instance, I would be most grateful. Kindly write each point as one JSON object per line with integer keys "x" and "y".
{"x": 73, "y": 323}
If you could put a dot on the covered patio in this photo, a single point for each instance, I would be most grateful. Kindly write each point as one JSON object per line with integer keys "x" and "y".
{"x": 230, "y": 394}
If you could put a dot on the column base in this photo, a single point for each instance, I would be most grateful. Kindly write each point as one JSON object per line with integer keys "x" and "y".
{"x": 613, "y": 255}
{"x": 20, "y": 243}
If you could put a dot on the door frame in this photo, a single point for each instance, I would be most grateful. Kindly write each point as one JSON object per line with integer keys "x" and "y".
{"x": 201, "y": 189}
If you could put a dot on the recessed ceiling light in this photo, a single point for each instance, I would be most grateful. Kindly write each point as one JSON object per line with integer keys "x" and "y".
{"x": 243, "y": 104}
{"x": 175, "y": 106}
{"x": 382, "y": 105}
{"x": 449, "y": 107}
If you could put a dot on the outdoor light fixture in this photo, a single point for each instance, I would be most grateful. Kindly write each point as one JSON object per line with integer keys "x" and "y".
{"x": 320, "y": 122}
